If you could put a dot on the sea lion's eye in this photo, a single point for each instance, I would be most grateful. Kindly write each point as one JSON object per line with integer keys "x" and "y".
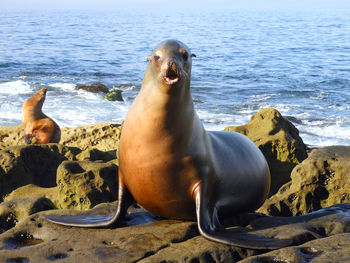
{"x": 185, "y": 56}
{"x": 156, "y": 57}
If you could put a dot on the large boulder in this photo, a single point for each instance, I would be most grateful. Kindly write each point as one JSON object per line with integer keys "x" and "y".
{"x": 101, "y": 136}
{"x": 320, "y": 181}
{"x": 32, "y": 164}
{"x": 279, "y": 141}
{"x": 84, "y": 184}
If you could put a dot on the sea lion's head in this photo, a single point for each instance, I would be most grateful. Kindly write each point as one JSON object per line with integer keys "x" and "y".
{"x": 36, "y": 101}
{"x": 171, "y": 62}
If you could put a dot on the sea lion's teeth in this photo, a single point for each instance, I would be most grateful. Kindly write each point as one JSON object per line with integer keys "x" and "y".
{"x": 170, "y": 80}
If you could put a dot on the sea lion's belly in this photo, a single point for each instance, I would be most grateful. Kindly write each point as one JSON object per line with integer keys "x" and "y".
{"x": 163, "y": 187}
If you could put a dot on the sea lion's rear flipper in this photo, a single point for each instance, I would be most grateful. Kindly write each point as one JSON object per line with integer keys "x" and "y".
{"x": 210, "y": 228}
{"x": 125, "y": 199}
{"x": 29, "y": 139}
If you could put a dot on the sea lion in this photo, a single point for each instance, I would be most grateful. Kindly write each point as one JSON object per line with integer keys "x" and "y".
{"x": 39, "y": 128}
{"x": 173, "y": 167}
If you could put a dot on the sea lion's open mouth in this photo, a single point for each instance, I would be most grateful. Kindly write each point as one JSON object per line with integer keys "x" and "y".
{"x": 171, "y": 76}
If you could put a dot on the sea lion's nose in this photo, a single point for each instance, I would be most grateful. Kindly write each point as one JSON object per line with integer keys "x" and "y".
{"x": 172, "y": 65}
{"x": 169, "y": 66}
{"x": 170, "y": 72}
{"x": 172, "y": 69}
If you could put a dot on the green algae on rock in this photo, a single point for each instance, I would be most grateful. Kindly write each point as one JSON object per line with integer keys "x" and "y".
{"x": 114, "y": 95}
{"x": 279, "y": 141}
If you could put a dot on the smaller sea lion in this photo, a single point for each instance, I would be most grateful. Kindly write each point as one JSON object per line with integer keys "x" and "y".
{"x": 39, "y": 128}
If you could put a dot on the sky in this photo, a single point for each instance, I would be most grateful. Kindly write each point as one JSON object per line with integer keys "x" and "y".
{"x": 169, "y": 5}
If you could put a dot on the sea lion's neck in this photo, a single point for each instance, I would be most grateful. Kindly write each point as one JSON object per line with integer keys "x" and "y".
{"x": 32, "y": 112}
{"x": 173, "y": 107}
{"x": 161, "y": 120}
{"x": 163, "y": 96}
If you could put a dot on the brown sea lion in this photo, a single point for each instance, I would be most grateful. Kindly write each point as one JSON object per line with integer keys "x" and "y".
{"x": 39, "y": 128}
{"x": 173, "y": 167}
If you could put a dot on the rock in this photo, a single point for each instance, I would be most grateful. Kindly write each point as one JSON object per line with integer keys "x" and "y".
{"x": 34, "y": 239}
{"x": 320, "y": 181}
{"x": 84, "y": 184}
{"x": 114, "y": 95}
{"x": 31, "y": 164}
{"x": 11, "y": 136}
{"x": 279, "y": 141}
{"x": 101, "y": 136}
{"x": 13, "y": 211}
{"x": 95, "y": 88}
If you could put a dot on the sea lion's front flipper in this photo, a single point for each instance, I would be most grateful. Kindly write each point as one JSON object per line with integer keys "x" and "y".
{"x": 83, "y": 220}
{"x": 210, "y": 228}
{"x": 125, "y": 199}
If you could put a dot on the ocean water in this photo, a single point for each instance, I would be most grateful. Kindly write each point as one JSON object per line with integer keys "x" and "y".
{"x": 296, "y": 62}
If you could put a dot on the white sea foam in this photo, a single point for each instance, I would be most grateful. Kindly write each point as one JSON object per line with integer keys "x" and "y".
{"x": 15, "y": 87}
{"x": 219, "y": 121}
{"x": 64, "y": 86}
{"x": 325, "y": 135}
{"x": 263, "y": 97}
{"x": 124, "y": 87}
{"x": 71, "y": 110}
{"x": 15, "y": 117}
{"x": 89, "y": 95}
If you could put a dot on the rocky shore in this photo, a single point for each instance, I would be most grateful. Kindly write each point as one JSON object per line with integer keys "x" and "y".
{"x": 307, "y": 202}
